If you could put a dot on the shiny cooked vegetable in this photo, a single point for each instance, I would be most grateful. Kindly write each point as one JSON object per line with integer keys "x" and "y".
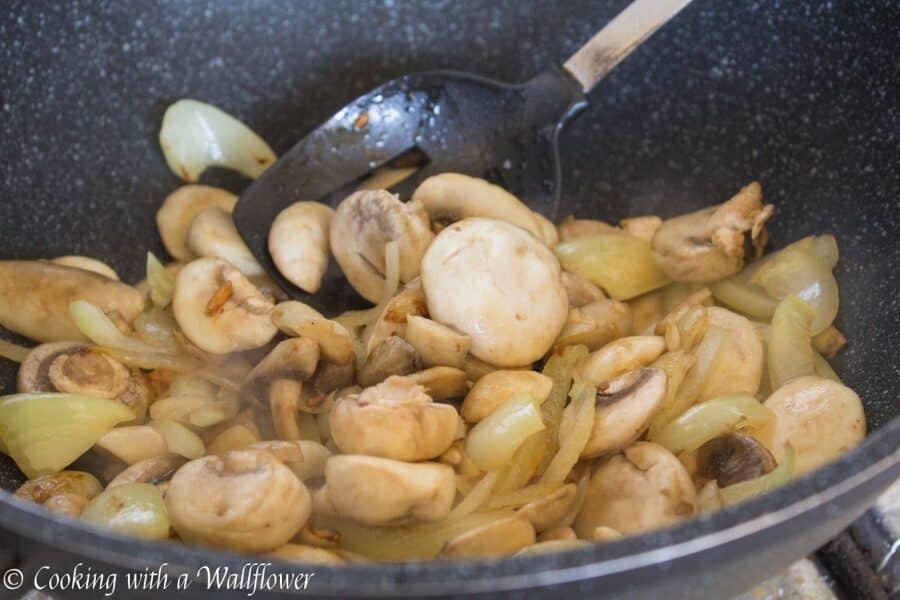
{"x": 517, "y": 387}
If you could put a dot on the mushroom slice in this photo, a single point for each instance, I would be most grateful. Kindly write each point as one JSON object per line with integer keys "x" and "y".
{"x": 621, "y": 356}
{"x": 410, "y": 300}
{"x": 497, "y": 387}
{"x": 65, "y": 492}
{"x": 35, "y": 296}
{"x": 394, "y": 419}
{"x": 393, "y": 356}
{"x": 212, "y": 233}
{"x": 580, "y": 290}
{"x": 472, "y": 274}
{"x": 646, "y": 312}
{"x": 549, "y": 510}
{"x": 378, "y": 491}
{"x": 153, "y": 470}
{"x": 295, "y": 359}
{"x": 178, "y": 210}
{"x": 708, "y": 245}
{"x": 595, "y": 324}
{"x": 624, "y": 411}
{"x": 296, "y": 318}
{"x": 739, "y": 362}
{"x": 451, "y": 197}
{"x": 641, "y": 489}
{"x": 308, "y": 555}
{"x": 363, "y": 224}
{"x": 819, "y": 418}
{"x": 298, "y": 243}
{"x": 133, "y": 443}
{"x": 558, "y": 534}
{"x": 571, "y": 228}
{"x": 442, "y": 383}
{"x": 87, "y": 263}
{"x": 497, "y": 538}
{"x": 548, "y": 230}
{"x": 437, "y": 344}
{"x": 605, "y": 534}
{"x": 219, "y": 310}
{"x": 732, "y": 458}
{"x": 247, "y": 501}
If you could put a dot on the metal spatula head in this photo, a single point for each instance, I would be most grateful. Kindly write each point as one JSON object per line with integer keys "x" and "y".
{"x": 440, "y": 121}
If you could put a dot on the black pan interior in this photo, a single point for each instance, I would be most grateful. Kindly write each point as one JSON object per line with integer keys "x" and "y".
{"x": 800, "y": 95}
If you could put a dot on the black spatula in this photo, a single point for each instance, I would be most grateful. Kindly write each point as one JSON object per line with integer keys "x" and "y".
{"x": 442, "y": 121}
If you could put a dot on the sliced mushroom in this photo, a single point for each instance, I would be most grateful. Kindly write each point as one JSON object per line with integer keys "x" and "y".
{"x": 473, "y": 279}
{"x": 605, "y": 534}
{"x": 595, "y": 324}
{"x": 580, "y": 290}
{"x": 133, "y": 443}
{"x": 646, "y": 312}
{"x": 295, "y": 359}
{"x": 219, "y": 310}
{"x": 498, "y": 538}
{"x": 548, "y": 230}
{"x": 212, "y": 234}
{"x": 475, "y": 368}
{"x": 192, "y": 401}
{"x": 829, "y": 341}
{"x": 246, "y": 501}
{"x": 87, "y": 263}
{"x": 643, "y": 488}
{"x": 393, "y": 356}
{"x": 621, "y": 356}
{"x": 319, "y": 392}
{"x": 642, "y": 227}
{"x": 732, "y": 458}
{"x": 409, "y": 300}
{"x": 820, "y": 418}
{"x": 180, "y": 207}
{"x": 296, "y": 318}
{"x": 309, "y": 555}
{"x": 739, "y": 362}
{"x": 624, "y": 411}
{"x": 298, "y": 243}
{"x": 394, "y": 419}
{"x": 35, "y": 296}
{"x": 284, "y": 403}
{"x": 557, "y": 533}
{"x": 363, "y": 224}
{"x": 495, "y": 388}
{"x": 546, "y": 512}
{"x": 66, "y": 492}
{"x": 571, "y": 228}
{"x": 451, "y": 197}
{"x": 442, "y": 383}
{"x": 153, "y": 470}
{"x": 74, "y": 368}
{"x": 708, "y": 245}
{"x": 377, "y": 491}
{"x": 312, "y": 466}
{"x": 437, "y": 344}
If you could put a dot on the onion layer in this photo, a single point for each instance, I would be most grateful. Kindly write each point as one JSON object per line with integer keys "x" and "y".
{"x": 492, "y": 442}
{"x": 560, "y": 368}
{"x": 132, "y": 508}
{"x": 790, "y": 353}
{"x": 748, "y": 489}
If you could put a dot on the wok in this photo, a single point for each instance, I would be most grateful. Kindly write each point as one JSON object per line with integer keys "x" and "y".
{"x": 801, "y": 95}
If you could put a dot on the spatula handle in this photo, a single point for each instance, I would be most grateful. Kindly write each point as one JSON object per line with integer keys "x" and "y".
{"x": 617, "y": 40}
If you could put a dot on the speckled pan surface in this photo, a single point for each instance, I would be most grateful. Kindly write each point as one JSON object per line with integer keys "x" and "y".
{"x": 801, "y": 95}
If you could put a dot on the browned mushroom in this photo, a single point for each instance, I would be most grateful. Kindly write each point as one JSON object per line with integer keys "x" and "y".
{"x": 393, "y": 356}
{"x": 732, "y": 458}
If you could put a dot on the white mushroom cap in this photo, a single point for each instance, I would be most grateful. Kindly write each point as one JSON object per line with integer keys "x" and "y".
{"x": 394, "y": 419}
{"x": 643, "y": 488}
{"x": 499, "y": 285}
{"x": 409, "y": 300}
{"x": 437, "y": 344}
{"x": 820, "y": 418}
{"x": 179, "y": 209}
{"x": 219, "y": 310}
{"x": 245, "y": 501}
{"x": 380, "y": 490}
{"x": 621, "y": 356}
{"x": 212, "y": 233}
{"x": 363, "y": 224}
{"x": 298, "y": 243}
{"x": 739, "y": 362}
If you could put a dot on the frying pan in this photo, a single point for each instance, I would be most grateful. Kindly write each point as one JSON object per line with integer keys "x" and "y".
{"x": 800, "y": 95}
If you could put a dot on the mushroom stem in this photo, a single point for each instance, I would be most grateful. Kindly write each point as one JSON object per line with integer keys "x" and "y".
{"x": 284, "y": 400}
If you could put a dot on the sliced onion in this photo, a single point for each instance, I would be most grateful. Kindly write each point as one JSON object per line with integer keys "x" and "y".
{"x": 234, "y": 438}
{"x": 13, "y": 352}
{"x": 525, "y": 463}
{"x": 131, "y": 508}
{"x": 551, "y": 546}
{"x": 584, "y": 402}
{"x": 522, "y": 496}
{"x": 827, "y": 249}
{"x": 744, "y": 297}
{"x": 621, "y": 264}
{"x": 790, "y": 353}
{"x": 560, "y": 367}
{"x": 156, "y": 327}
{"x": 359, "y": 318}
{"x": 474, "y": 500}
{"x": 710, "y": 419}
{"x": 179, "y": 363}
{"x": 93, "y": 322}
{"x": 44, "y": 433}
{"x": 133, "y": 443}
{"x": 580, "y": 496}
{"x": 492, "y": 442}
{"x": 823, "y": 368}
{"x": 195, "y": 135}
{"x": 179, "y": 439}
{"x": 775, "y": 478}
{"x": 708, "y": 498}
{"x": 799, "y": 271}
{"x": 161, "y": 284}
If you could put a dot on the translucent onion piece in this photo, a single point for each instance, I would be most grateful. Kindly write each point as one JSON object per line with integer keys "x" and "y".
{"x": 180, "y": 363}
{"x": 492, "y": 442}
{"x": 156, "y": 327}
{"x": 560, "y": 367}
{"x": 93, "y": 322}
{"x": 133, "y": 443}
{"x": 552, "y": 546}
{"x": 161, "y": 284}
{"x": 708, "y": 498}
{"x": 580, "y": 495}
{"x": 790, "y": 353}
{"x": 621, "y": 264}
{"x": 522, "y": 496}
{"x": 131, "y": 508}
{"x": 44, "y": 433}
{"x": 710, "y": 419}
{"x": 584, "y": 402}
{"x": 823, "y": 368}
{"x": 798, "y": 270}
{"x": 524, "y": 464}
{"x": 775, "y": 478}
{"x": 676, "y": 364}
{"x": 195, "y": 135}
{"x": 744, "y": 297}
{"x": 179, "y": 439}
{"x": 13, "y": 352}
{"x": 474, "y": 500}
{"x": 359, "y": 318}
{"x": 827, "y": 249}
{"x": 233, "y": 438}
